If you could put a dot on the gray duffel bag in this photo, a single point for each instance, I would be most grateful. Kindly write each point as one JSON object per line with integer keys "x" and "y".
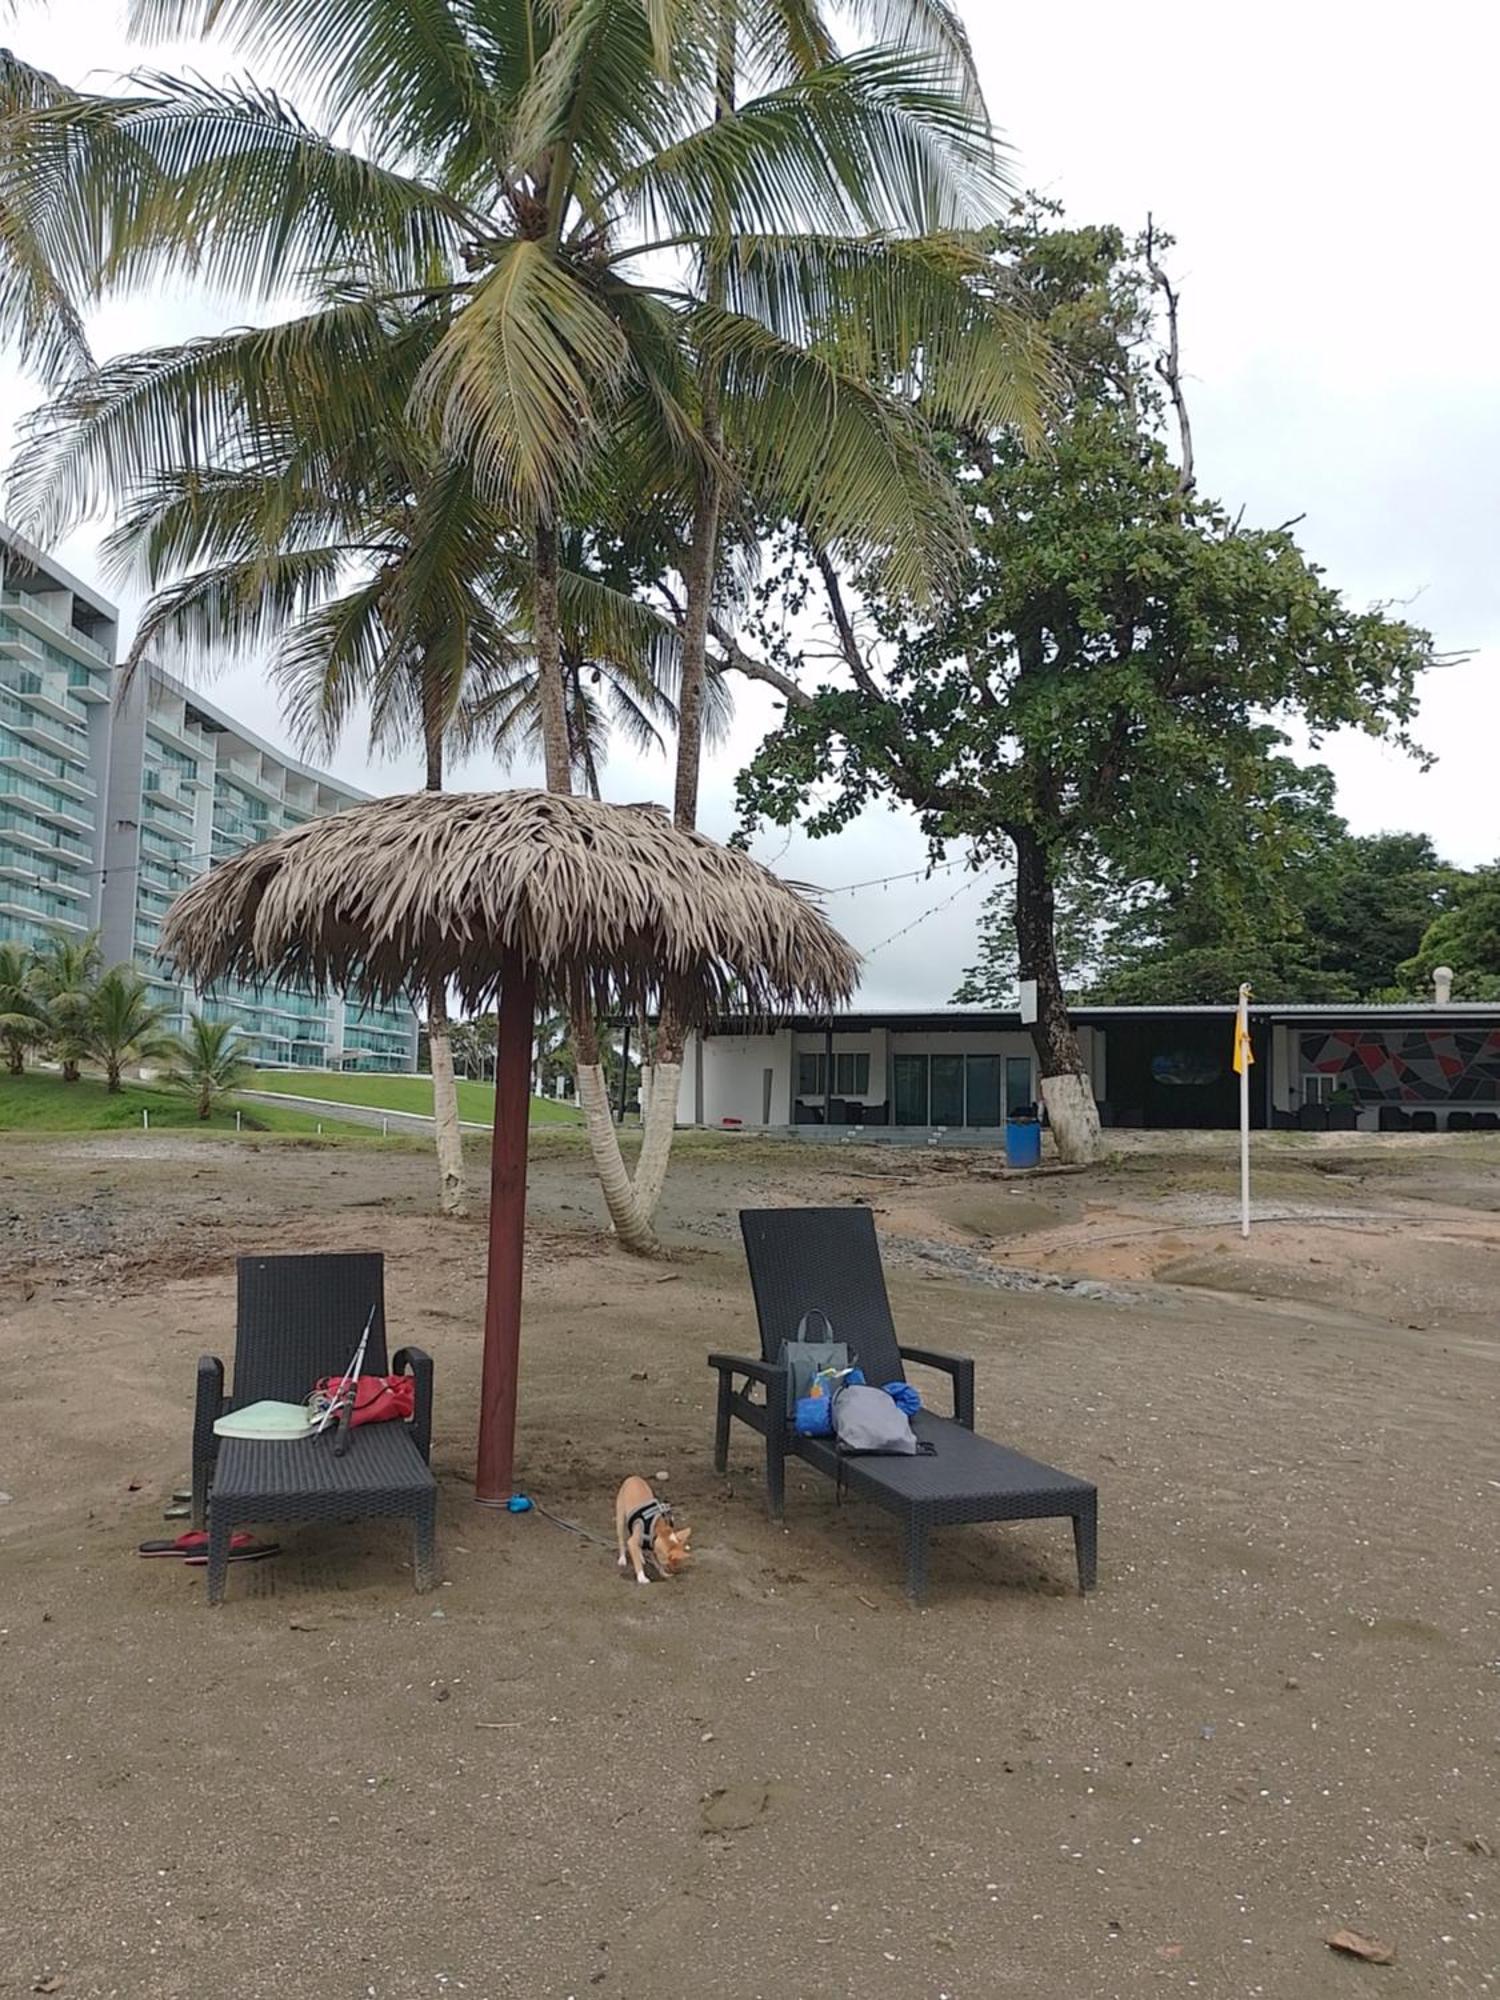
{"x": 868, "y": 1420}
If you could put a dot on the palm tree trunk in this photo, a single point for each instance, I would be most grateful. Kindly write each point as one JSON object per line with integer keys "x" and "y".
{"x": 447, "y": 1136}
{"x": 112, "y": 1072}
{"x": 15, "y": 1058}
{"x": 70, "y": 1069}
{"x": 632, "y": 1228}
{"x": 700, "y": 578}
{"x": 550, "y": 695}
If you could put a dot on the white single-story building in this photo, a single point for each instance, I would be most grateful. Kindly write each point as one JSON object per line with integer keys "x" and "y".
{"x": 955, "y": 1070}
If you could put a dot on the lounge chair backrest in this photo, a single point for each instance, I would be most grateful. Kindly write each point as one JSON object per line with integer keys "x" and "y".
{"x": 811, "y": 1260}
{"x": 300, "y": 1318}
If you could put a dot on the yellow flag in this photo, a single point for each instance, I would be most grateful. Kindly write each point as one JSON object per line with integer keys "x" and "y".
{"x": 1244, "y": 1054}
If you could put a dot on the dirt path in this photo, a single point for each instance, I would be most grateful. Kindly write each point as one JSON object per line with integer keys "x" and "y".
{"x": 1277, "y": 1716}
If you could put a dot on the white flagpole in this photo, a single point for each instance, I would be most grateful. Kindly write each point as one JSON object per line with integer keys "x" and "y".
{"x": 1243, "y": 1025}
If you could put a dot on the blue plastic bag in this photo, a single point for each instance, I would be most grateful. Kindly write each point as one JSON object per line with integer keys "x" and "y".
{"x": 904, "y": 1396}
{"x": 812, "y": 1415}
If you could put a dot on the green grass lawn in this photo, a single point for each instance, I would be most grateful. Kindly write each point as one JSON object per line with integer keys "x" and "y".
{"x": 41, "y": 1102}
{"x": 476, "y": 1101}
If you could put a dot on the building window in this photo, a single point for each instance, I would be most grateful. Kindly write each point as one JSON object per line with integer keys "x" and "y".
{"x": 851, "y": 1075}
{"x": 954, "y": 1090}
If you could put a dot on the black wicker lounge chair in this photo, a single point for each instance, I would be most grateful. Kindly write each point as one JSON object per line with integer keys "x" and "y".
{"x": 827, "y": 1260}
{"x": 300, "y": 1319}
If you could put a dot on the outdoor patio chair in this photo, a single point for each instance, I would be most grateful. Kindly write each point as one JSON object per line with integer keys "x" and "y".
{"x": 299, "y": 1319}
{"x": 827, "y": 1260}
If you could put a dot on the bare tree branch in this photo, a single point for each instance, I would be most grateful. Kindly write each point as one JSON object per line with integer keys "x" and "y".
{"x": 734, "y": 659}
{"x": 843, "y": 624}
{"x": 1169, "y": 365}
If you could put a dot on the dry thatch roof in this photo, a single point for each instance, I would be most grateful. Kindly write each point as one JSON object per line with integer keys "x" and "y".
{"x": 612, "y": 905}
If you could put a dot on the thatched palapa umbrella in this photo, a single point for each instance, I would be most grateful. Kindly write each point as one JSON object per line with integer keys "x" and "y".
{"x": 503, "y": 894}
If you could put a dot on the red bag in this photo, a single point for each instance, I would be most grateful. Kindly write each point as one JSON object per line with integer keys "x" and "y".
{"x": 377, "y": 1399}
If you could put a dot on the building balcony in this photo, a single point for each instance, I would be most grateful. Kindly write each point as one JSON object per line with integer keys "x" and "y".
{"x": 46, "y": 693}
{"x": 44, "y": 728}
{"x": 35, "y": 833}
{"x": 20, "y": 901}
{"x": 44, "y": 803}
{"x": 24, "y": 607}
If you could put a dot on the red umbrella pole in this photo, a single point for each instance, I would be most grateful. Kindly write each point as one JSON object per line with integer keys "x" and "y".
{"x": 502, "y": 1306}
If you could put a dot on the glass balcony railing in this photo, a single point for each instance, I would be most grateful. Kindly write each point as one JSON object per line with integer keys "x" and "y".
{"x": 14, "y": 786}
{"x": 55, "y": 909}
{"x": 27, "y": 601}
{"x": 40, "y": 834}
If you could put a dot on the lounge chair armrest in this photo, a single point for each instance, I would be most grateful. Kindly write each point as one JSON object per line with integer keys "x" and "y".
{"x": 776, "y": 1376}
{"x": 208, "y": 1405}
{"x": 959, "y": 1366}
{"x": 417, "y": 1362}
{"x": 756, "y": 1369}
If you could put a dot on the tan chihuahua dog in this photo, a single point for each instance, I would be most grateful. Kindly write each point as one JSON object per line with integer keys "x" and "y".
{"x": 643, "y": 1527}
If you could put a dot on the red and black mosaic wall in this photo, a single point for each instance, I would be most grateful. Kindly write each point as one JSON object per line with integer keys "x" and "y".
{"x": 1410, "y": 1066}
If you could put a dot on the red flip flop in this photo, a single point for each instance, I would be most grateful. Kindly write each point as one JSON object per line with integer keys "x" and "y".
{"x": 242, "y": 1549}
{"x": 193, "y": 1547}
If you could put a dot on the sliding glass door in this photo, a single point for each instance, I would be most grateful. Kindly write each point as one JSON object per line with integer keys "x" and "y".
{"x": 982, "y": 1100}
{"x": 959, "y": 1090}
{"x": 909, "y": 1090}
{"x": 947, "y": 1103}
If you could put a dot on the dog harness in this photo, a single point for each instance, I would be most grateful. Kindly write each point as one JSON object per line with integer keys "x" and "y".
{"x": 645, "y": 1517}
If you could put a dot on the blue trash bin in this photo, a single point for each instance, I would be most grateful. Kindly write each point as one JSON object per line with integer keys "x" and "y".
{"x": 1023, "y": 1142}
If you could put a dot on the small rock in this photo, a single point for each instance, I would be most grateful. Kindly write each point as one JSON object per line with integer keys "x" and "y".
{"x": 303, "y": 1625}
{"x": 51, "y": 1985}
{"x": 442, "y": 1692}
{"x": 640, "y": 1375}
{"x": 707, "y": 1736}
{"x": 437, "y": 1614}
{"x": 1353, "y": 1945}
{"x": 1291, "y": 1684}
{"x": 661, "y": 1475}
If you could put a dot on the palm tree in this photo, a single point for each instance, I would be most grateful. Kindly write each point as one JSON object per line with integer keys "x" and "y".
{"x": 209, "y": 1063}
{"x": 383, "y": 579}
{"x": 63, "y": 980}
{"x": 685, "y": 234}
{"x": 23, "y": 1023}
{"x": 124, "y": 1024}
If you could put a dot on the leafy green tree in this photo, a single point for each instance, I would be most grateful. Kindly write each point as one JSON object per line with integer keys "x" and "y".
{"x": 1106, "y": 695}
{"x": 23, "y": 1020}
{"x": 209, "y": 1064}
{"x": 125, "y": 1024}
{"x": 1465, "y": 938}
{"x": 64, "y": 980}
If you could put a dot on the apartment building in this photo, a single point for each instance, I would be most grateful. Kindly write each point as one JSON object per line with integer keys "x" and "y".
{"x": 112, "y": 798}
{"x": 57, "y": 647}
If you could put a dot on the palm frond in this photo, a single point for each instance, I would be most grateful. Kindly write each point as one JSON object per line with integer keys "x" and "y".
{"x": 224, "y": 182}
{"x": 404, "y": 74}
{"x": 330, "y": 660}
{"x": 929, "y": 318}
{"x": 38, "y": 314}
{"x": 873, "y": 142}
{"x": 523, "y": 377}
{"x": 235, "y": 609}
{"x": 322, "y": 378}
{"x": 852, "y": 465}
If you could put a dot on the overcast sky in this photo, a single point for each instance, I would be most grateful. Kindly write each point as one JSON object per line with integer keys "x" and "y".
{"x": 1327, "y": 171}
